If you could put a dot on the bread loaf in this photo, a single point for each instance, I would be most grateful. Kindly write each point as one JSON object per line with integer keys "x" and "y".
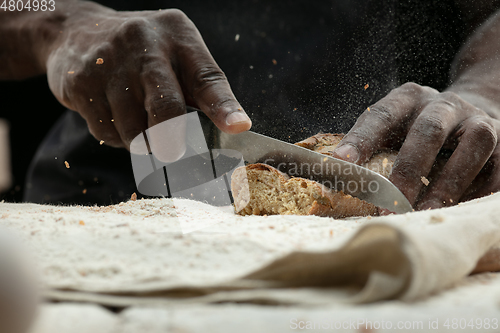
{"x": 271, "y": 192}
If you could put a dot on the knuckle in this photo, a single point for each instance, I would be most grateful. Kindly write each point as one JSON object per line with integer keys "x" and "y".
{"x": 133, "y": 27}
{"x": 449, "y": 96}
{"x": 206, "y": 76}
{"x": 382, "y": 113}
{"x": 411, "y": 87}
{"x": 172, "y": 104}
{"x": 175, "y": 18}
{"x": 405, "y": 169}
{"x": 484, "y": 131}
{"x": 431, "y": 127}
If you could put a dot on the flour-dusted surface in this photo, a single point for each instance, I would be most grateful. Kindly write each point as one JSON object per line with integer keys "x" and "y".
{"x": 141, "y": 241}
{"x": 141, "y": 244}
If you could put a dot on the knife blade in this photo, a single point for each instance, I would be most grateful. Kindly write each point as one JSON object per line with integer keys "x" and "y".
{"x": 297, "y": 161}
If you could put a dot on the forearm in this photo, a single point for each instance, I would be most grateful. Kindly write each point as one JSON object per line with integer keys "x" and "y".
{"x": 28, "y": 37}
{"x": 476, "y": 69}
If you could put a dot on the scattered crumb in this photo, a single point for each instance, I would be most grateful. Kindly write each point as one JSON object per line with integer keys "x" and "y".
{"x": 66, "y": 164}
{"x": 436, "y": 219}
{"x": 368, "y": 109}
{"x": 237, "y": 37}
{"x": 275, "y": 62}
{"x": 101, "y": 142}
{"x": 91, "y": 99}
{"x": 424, "y": 180}
{"x": 451, "y": 200}
{"x": 366, "y": 86}
{"x": 395, "y": 203}
{"x": 100, "y": 120}
{"x": 84, "y": 191}
{"x": 99, "y": 61}
{"x": 71, "y": 72}
{"x": 240, "y": 109}
{"x": 97, "y": 24}
{"x": 161, "y": 96}
{"x": 133, "y": 197}
{"x": 81, "y": 222}
{"x": 385, "y": 161}
{"x": 112, "y": 120}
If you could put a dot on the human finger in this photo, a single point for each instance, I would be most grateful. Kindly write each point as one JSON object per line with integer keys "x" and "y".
{"x": 382, "y": 124}
{"x": 202, "y": 78}
{"x": 127, "y": 109}
{"x": 478, "y": 139}
{"x": 165, "y": 105}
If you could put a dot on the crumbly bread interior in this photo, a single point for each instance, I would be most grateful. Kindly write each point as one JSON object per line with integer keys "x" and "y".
{"x": 270, "y": 192}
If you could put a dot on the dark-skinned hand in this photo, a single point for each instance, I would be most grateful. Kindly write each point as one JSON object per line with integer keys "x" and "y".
{"x": 127, "y": 71}
{"x": 420, "y": 122}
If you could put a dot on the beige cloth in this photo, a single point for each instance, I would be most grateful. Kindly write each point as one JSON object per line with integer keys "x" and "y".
{"x": 135, "y": 253}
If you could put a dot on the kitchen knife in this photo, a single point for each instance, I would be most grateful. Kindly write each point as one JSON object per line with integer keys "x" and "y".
{"x": 301, "y": 162}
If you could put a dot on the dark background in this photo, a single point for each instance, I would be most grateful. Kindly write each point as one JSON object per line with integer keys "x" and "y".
{"x": 325, "y": 52}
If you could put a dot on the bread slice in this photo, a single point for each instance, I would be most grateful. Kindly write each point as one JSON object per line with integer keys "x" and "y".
{"x": 271, "y": 192}
{"x": 259, "y": 189}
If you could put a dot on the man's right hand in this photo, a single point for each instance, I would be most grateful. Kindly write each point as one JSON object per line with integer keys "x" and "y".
{"x": 127, "y": 71}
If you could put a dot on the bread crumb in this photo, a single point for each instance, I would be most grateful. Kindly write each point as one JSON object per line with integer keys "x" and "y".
{"x": 71, "y": 72}
{"x": 436, "y": 219}
{"x": 66, "y": 164}
{"x": 133, "y": 197}
{"x": 451, "y": 200}
{"x": 84, "y": 191}
{"x": 112, "y": 120}
{"x": 424, "y": 180}
{"x": 275, "y": 62}
{"x": 395, "y": 203}
{"x": 368, "y": 109}
{"x": 237, "y": 37}
{"x": 366, "y": 86}
{"x": 101, "y": 142}
{"x": 91, "y": 100}
{"x": 99, "y": 61}
{"x": 385, "y": 161}
{"x": 81, "y": 222}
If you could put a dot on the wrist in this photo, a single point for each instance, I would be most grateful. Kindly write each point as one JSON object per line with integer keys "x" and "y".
{"x": 31, "y": 36}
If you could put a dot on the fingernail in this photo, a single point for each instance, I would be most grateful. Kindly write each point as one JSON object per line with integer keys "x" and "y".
{"x": 347, "y": 153}
{"x": 237, "y": 118}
